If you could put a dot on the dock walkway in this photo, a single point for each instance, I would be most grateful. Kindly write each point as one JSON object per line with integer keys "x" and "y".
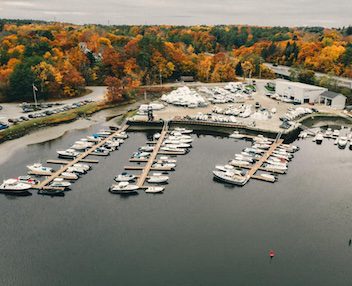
{"x": 45, "y": 184}
{"x": 152, "y": 157}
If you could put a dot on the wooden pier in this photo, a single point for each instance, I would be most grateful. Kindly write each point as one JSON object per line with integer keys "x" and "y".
{"x": 81, "y": 158}
{"x": 152, "y": 157}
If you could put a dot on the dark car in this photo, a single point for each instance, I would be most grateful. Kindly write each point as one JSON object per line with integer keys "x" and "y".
{"x": 0, "y": 107}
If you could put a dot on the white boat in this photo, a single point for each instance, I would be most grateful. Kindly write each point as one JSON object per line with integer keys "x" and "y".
{"x": 336, "y": 133}
{"x": 165, "y": 159}
{"x": 60, "y": 183}
{"x": 39, "y": 168}
{"x": 342, "y": 142}
{"x": 125, "y": 177}
{"x": 328, "y": 133}
{"x": 82, "y": 166}
{"x": 273, "y": 168}
{"x": 173, "y": 150}
{"x": 163, "y": 165}
{"x": 28, "y": 180}
{"x": 236, "y": 135}
{"x": 154, "y": 190}
{"x": 318, "y": 138}
{"x": 121, "y": 135}
{"x": 146, "y": 149}
{"x": 225, "y": 168}
{"x": 268, "y": 177}
{"x": 123, "y": 188}
{"x": 227, "y": 178}
{"x": 68, "y": 154}
{"x": 156, "y": 136}
{"x": 178, "y": 145}
{"x": 183, "y": 130}
{"x": 94, "y": 139}
{"x": 141, "y": 154}
{"x": 101, "y": 151}
{"x": 13, "y": 186}
{"x": 77, "y": 170}
{"x": 239, "y": 163}
{"x": 69, "y": 176}
{"x": 158, "y": 178}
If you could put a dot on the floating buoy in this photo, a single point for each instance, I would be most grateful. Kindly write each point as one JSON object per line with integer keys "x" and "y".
{"x": 271, "y": 253}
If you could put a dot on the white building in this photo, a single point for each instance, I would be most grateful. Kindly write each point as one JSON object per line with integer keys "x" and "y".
{"x": 333, "y": 99}
{"x": 300, "y": 92}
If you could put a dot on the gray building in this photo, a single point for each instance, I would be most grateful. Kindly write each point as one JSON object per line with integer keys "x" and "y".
{"x": 333, "y": 99}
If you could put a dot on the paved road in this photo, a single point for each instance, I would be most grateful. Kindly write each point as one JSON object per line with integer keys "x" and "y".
{"x": 13, "y": 110}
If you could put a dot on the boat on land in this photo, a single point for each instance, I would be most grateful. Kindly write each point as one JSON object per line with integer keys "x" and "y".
{"x": 230, "y": 178}
{"x": 125, "y": 177}
{"x": 39, "y": 168}
{"x": 14, "y": 186}
{"x": 342, "y": 142}
{"x": 123, "y": 188}
{"x": 154, "y": 190}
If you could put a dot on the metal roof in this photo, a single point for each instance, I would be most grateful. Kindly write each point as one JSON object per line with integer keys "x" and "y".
{"x": 331, "y": 94}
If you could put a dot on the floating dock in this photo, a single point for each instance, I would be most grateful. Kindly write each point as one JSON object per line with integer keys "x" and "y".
{"x": 148, "y": 166}
{"x": 81, "y": 158}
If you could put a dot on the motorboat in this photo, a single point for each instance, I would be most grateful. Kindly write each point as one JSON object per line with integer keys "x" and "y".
{"x": 69, "y": 176}
{"x": 239, "y": 163}
{"x": 227, "y": 178}
{"x": 28, "y": 180}
{"x": 123, "y": 188}
{"x": 146, "y": 149}
{"x": 77, "y": 170}
{"x": 14, "y": 186}
{"x": 183, "y": 130}
{"x": 236, "y": 135}
{"x": 173, "y": 150}
{"x": 328, "y": 133}
{"x": 94, "y": 138}
{"x": 112, "y": 145}
{"x": 60, "y": 183}
{"x": 225, "y": 168}
{"x": 336, "y": 133}
{"x": 272, "y": 168}
{"x": 319, "y": 138}
{"x": 158, "y": 178}
{"x": 303, "y": 135}
{"x": 163, "y": 165}
{"x": 121, "y": 135}
{"x": 165, "y": 159}
{"x": 342, "y": 142}
{"x": 155, "y": 190}
{"x": 85, "y": 167}
{"x": 68, "y": 154}
{"x": 156, "y": 136}
{"x": 101, "y": 152}
{"x": 269, "y": 177}
{"x": 141, "y": 155}
{"x": 39, "y": 168}
{"x": 52, "y": 192}
{"x": 125, "y": 177}
{"x": 178, "y": 145}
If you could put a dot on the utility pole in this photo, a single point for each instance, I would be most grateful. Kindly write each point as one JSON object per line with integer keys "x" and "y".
{"x": 161, "y": 78}
{"x": 35, "y": 89}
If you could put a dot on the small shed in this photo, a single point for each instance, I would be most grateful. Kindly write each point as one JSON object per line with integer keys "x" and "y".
{"x": 333, "y": 99}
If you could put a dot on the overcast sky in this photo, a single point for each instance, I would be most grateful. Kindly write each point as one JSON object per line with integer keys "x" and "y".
{"x": 328, "y": 13}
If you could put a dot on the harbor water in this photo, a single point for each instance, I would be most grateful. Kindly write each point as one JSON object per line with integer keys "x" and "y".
{"x": 198, "y": 232}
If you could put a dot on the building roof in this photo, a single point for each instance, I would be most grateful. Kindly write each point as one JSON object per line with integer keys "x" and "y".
{"x": 331, "y": 94}
{"x": 299, "y": 85}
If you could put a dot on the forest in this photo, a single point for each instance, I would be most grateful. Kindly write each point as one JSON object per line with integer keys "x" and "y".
{"x": 62, "y": 59}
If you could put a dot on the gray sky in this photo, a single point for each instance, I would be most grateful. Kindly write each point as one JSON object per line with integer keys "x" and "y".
{"x": 326, "y": 13}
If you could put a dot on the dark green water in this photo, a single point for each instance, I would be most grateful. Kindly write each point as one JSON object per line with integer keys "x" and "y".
{"x": 199, "y": 232}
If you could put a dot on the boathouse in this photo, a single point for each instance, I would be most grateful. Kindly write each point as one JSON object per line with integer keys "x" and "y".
{"x": 333, "y": 99}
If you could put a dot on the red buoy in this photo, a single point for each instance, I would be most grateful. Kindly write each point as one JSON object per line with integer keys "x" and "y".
{"x": 271, "y": 253}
